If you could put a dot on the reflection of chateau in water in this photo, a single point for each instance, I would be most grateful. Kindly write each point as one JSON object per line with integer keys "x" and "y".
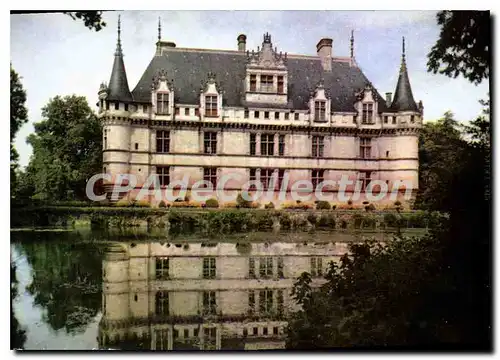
{"x": 163, "y": 296}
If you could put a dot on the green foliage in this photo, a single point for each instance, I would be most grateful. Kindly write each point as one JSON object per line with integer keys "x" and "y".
{"x": 368, "y": 300}
{"x": 242, "y": 203}
{"x": 323, "y": 205}
{"x": 91, "y": 19}
{"x": 66, "y": 151}
{"x": 17, "y": 333}
{"x": 370, "y": 207}
{"x": 441, "y": 153}
{"x": 212, "y": 203}
{"x": 463, "y": 47}
{"x": 326, "y": 221}
{"x": 18, "y": 117}
{"x": 162, "y": 204}
{"x": 66, "y": 281}
{"x": 269, "y": 205}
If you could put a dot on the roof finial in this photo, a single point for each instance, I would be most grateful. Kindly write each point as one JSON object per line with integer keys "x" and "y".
{"x": 352, "y": 44}
{"x": 118, "y": 43}
{"x": 159, "y": 28}
{"x": 403, "y": 56}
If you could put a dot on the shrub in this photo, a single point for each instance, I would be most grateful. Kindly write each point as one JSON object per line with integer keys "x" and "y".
{"x": 323, "y": 205}
{"x": 349, "y": 202}
{"x": 141, "y": 203}
{"x": 242, "y": 202}
{"x": 327, "y": 221}
{"x": 370, "y": 207}
{"x": 124, "y": 203}
{"x": 269, "y": 205}
{"x": 390, "y": 220}
{"x": 312, "y": 219}
{"x": 397, "y": 203}
{"x": 366, "y": 202}
{"x": 212, "y": 203}
{"x": 185, "y": 204}
{"x": 162, "y": 204}
{"x": 334, "y": 207}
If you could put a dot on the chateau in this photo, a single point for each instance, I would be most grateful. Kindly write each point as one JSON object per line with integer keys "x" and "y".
{"x": 205, "y": 113}
{"x": 202, "y": 295}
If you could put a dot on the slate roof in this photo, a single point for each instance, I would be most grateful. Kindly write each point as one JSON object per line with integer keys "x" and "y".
{"x": 403, "y": 98}
{"x": 189, "y": 68}
{"x": 118, "y": 89}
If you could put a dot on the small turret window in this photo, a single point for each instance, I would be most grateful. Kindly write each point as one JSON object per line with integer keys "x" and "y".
{"x": 393, "y": 119}
{"x": 412, "y": 118}
{"x": 117, "y": 106}
{"x": 107, "y": 105}
{"x": 126, "y": 107}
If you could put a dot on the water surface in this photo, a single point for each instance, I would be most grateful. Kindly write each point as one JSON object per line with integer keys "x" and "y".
{"x": 84, "y": 290}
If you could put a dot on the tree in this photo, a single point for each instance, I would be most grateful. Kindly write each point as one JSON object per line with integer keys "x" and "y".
{"x": 441, "y": 152}
{"x": 91, "y": 19}
{"x": 17, "y": 333}
{"x": 66, "y": 151}
{"x": 66, "y": 280}
{"x": 463, "y": 46}
{"x": 18, "y": 117}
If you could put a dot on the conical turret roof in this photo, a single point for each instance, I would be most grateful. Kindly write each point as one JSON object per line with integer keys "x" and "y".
{"x": 118, "y": 89}
{"x": 403, "y": 97}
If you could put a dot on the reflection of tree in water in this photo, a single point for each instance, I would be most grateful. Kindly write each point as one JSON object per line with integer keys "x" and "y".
{"x": 17, "y": 334}
{"x": 67, "y": 280}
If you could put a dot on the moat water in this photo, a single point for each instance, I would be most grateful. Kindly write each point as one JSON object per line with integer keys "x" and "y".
{"x": 84, "y": 290}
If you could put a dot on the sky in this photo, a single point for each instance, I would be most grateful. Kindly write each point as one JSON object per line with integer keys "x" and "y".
{"x": 56, "y": 55}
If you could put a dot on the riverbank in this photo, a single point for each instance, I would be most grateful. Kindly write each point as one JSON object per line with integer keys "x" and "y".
{"x": 225, "y": 221}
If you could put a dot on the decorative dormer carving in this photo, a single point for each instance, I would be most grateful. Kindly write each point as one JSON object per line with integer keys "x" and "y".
{"x": 266, "y": 79}
{"x": 267, "y": 57}
{"x": 161, "y": 77}
{"x": 210, "y": 83}
{"x": 320, "y": 103}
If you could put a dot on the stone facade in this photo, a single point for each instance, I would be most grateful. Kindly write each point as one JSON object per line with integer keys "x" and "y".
{"x": 263, "y": 118}
{"x": 205, "y": 296}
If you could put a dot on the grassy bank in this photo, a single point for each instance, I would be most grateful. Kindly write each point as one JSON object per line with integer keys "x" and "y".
{"x": 226, "y": 221}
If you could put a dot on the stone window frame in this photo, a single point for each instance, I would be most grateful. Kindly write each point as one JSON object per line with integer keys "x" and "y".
{"x": 163, "y": 141}
{"x": 162, "y": 303}
{"x": 209, "y": 302}
{"x": 210, "y": 142}
{"x": 209, "y": 267}
{"x": 318, "y": 146}
{"x": 162, "y": 268}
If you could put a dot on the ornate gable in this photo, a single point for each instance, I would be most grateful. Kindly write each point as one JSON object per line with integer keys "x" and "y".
{"x": 161, "y": 83}
{"x": 266, "y": 57}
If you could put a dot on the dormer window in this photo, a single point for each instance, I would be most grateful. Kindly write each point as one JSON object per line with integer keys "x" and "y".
{"x": 281, "y": 85}
{"x": 367, "y": 114}
{"x": 320, "y": 110}
{"x": 266, "y": 83}
{"x": 211, "y": 105}
{"x": 162, "y": 103}
{"x": 253, "y": 82}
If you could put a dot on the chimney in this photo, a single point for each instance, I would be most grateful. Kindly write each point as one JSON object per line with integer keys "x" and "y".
{"x": 242, "y": 42}
{"x": 324, "y": 50}
{"x": 162, "y": 46}
{"x": 388, "y": 99}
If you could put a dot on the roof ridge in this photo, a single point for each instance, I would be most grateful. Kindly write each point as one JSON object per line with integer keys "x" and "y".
{"x": 243, "y": 53}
